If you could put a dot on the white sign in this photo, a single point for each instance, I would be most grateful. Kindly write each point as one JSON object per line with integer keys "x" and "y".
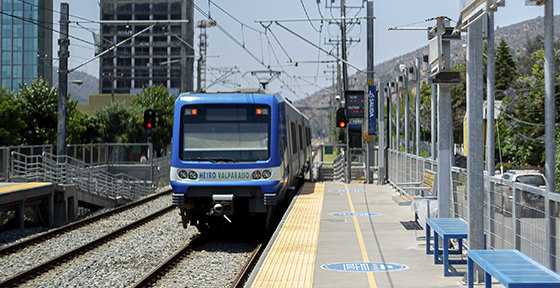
{"x": 474, "y": 10}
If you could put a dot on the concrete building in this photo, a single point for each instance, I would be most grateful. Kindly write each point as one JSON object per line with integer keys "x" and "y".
{"x": 156, "y": 57}
{"x": 27, "y": 35}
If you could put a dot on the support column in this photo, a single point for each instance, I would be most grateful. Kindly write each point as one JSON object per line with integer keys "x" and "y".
{"x": 381, "y": 136}
{"x": 445, "y": 149}
{"x": 475, "y": 161}
{"x": 550, "y": 135}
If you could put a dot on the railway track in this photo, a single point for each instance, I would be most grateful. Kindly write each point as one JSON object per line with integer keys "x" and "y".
{"x": 21, "y": 277}
{"x": 158, "y": 273}
{"x": 75, "y": 225}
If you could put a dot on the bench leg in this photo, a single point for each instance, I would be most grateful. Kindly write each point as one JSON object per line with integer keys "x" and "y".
{"x": 436, "y": 249}
{"x": 487, "y": 280}
{"x": 470, "y": 273}
{"x": 428, "y": 236}
{"x": 445, "y": 245}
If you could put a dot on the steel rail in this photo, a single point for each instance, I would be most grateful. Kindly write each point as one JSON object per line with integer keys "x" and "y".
{"x": 80, "y": 250}
{"x": 246, "y": 270}
{"x": 75, "y": 225}
{"x": 169, "y": 262}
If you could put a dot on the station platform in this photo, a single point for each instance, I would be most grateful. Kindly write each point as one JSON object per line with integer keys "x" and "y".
{"x": 348, "y": 235}
{"x": 11, "y": 192}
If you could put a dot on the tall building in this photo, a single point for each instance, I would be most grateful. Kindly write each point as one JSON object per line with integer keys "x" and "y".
{"x": 155, "y": 57}
{"x": 26, "y": 41}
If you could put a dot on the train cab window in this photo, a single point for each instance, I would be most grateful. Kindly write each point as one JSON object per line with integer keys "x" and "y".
{"x": 225, "y": 133}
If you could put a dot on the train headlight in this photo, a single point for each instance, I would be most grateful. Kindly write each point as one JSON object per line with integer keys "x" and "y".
{"x": 182, "y": 174}
{"x": 266, "y": 174}
{"x": 193, "y": 175}
{"x": 256, "y": 174}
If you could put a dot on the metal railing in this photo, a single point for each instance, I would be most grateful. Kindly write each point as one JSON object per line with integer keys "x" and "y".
{"x": 516, "y": 215}
{"x": 69, "y": 170}
{"x": 110, "y": 153}
{"x": 5, "y": 153}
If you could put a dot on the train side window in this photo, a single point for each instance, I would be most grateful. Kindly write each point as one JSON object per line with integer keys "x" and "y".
{"x": 294, "y": 140}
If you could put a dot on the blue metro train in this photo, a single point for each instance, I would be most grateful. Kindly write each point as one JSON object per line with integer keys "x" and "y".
{"x": 236, "y": 156}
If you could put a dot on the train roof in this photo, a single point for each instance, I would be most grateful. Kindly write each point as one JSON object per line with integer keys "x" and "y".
{"x": 233, "y": 95}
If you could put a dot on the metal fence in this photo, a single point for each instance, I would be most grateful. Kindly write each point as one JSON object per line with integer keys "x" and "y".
{"x": 111, "y": 153}
{"x": 69, "y": 170}
{"x": 5, "y": 153}
{"x": 516, "y": 215}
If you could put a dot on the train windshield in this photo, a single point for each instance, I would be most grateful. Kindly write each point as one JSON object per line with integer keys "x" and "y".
{"x": 225, "y": 133}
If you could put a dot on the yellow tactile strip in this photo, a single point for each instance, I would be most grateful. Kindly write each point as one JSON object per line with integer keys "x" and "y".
{"x": 18, "y": 187}
{"x": 291, "y": 260}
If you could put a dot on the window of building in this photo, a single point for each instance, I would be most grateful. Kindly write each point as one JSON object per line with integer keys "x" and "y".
{"x": 29, "y": 71}
{"x": 6, "y": 31}
{"x": 30, "y": 44}
{"x": 6, "y": 58}
{"x": 160, "y": 7}
{"x": 7, "y": 44}
{"x": 17, "y": 30}
{"x": 17, "y": 44}
{"x": 30, "y": 30}
{"x": 16, "y": 70}
{"x": 30, "y": 58}
{"x": 124, "y": 7}
{"x": 175, "y": 84}
{"x": 16, "y": 58}
{"x": 7, "y": 5}
{"x": 141, "y": 83}
{"x": 142, "y": 7}
{"x": 6, "y": 71}
{"x": 15, "y": 83}
{"x": 18, "y": 14}
{"x": 6, "y": 19}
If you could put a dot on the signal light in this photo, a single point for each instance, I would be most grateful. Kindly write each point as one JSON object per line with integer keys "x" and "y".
{"x": 149, "y": 119}
{"x": 341, "y": 118}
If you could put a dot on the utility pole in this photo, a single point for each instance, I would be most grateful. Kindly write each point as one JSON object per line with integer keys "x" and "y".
{"x": 417, "y": 136}
{"x": 187, "y": 62}
{"x": 406, "y": 112}
{"x": 63, "y": 54}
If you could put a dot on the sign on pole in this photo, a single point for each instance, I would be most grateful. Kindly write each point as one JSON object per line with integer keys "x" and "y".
{"x": 354, "y": 103}
{"x": 474, "y": 10}
{"x": 370, "y": 113}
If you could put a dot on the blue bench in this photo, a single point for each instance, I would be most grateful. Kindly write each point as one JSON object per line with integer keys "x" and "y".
{"x": 512, "y": 268}
{"x": 447, "y": 229}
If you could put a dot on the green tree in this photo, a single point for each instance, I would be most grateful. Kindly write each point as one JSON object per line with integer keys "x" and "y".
{"x": 39, "y": 106}
{"x": 505, "y": 69}
{"x": 11, "y": 119}
{"x": 112, "y": 121}
{"x": 158, "y": 99}
{"x": 521, "y": 125}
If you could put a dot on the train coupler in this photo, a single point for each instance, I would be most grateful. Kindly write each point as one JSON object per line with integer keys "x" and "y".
{"x": 222, "y": 204}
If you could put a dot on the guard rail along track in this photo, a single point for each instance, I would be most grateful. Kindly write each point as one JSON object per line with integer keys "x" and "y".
{"x": 21, "y": 277}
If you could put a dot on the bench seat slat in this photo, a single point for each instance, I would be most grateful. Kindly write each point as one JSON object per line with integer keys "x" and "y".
{"x": 514, "y": 269}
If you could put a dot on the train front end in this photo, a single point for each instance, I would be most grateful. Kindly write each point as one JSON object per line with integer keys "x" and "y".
{"x": 225, "y": 163}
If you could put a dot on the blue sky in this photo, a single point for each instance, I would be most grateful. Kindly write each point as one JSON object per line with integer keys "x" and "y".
{"x": 306, "y": 78}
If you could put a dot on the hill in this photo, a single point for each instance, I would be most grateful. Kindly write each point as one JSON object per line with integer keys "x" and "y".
{"x": 80, "y": 93}
{"x": 317, "y": 105}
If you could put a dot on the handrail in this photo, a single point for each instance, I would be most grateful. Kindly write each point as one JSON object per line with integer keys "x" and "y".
{"x": 69, "y": 170}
